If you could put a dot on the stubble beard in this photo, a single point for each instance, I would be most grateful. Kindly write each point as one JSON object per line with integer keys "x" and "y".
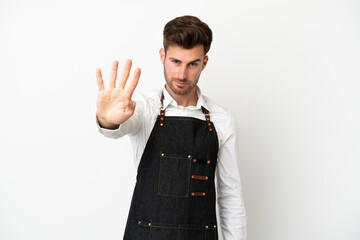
{"x": 185, "y": 90}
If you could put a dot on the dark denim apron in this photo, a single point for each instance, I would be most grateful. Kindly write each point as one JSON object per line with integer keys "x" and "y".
{"x": 174, "y": 196}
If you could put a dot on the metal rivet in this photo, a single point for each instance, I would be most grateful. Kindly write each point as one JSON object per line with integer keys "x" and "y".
{"x": 206, "y": 226}
{"x": 192, "y": 176}
{"x": 194, "y": 160}
{"x": 189, "y": 156}
{"x": 203, "y": 194}
{"x": 192, "y": 194}
{"x": 161, "y": 124}
{"x": 214, "y": 226}
{"x": 206, "y": 178}
{"x": 139, "y": 222}
{"x": 149, "y": 224}
{"x": 208, "y": 161}
{"x": 162, "y": 154}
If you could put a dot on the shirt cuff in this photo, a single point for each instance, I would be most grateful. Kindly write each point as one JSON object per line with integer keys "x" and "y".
{"x": 111, "y": 133}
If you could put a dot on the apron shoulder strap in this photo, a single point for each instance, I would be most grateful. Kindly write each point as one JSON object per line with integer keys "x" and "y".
{"x": 162, "y": 114}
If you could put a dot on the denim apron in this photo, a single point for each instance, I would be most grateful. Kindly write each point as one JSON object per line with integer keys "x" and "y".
{"x": 174, "y": 196}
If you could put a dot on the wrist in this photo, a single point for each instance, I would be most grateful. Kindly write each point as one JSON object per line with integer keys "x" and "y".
{"x": 104, "y": 124}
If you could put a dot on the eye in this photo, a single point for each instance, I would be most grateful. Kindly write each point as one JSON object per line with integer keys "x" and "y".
{"x": 175, "y": 61}
{"x": 193, "y": 64}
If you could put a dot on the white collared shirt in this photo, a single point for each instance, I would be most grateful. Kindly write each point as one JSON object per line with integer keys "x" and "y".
{"x": 229, "y": 195}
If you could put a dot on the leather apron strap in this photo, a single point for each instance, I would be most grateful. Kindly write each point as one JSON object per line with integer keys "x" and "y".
{"x": 203, "y": 109}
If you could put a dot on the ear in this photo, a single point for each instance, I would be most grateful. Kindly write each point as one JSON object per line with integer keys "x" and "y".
{"x": 162, "y": 55}
{"x": 206, "y": 59}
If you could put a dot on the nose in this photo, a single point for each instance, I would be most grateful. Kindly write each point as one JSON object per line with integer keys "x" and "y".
{"x": 182, "y": 72}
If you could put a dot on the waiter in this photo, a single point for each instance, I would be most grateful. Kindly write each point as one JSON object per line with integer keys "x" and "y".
{"x": 181, "y": 140}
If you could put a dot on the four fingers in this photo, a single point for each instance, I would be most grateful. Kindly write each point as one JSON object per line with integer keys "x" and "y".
{"x": 123, "y": 77}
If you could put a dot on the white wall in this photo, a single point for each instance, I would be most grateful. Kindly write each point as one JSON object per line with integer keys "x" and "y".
{"x": 289, "y": 70}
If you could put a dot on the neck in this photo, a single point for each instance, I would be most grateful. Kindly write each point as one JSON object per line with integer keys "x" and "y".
{"x": 189, "y": 99}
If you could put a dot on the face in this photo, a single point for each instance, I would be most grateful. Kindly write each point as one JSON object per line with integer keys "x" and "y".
{"x": 182, "y": 68}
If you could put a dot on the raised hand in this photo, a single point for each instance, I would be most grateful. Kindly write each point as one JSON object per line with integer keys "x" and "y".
{"x": 114, "y": 105}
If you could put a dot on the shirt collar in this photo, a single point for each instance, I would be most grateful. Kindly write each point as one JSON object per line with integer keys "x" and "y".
{"x": 168, "y": 100}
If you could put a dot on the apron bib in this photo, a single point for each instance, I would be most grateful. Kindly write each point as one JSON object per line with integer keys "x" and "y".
{"x": 174, "y": 196}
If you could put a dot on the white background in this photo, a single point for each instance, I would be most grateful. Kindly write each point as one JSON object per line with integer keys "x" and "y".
{"x": 288, "y": 70}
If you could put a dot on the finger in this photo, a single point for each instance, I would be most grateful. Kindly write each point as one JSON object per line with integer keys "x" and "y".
{"x": 99, "y": 80}
{"x": 125, "y": 74}
{"x": 113, "y": 74}
{"x": 134, "y": 81}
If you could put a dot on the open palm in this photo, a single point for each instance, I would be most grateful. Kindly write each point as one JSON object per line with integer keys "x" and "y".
{"x": 114, "y": 105}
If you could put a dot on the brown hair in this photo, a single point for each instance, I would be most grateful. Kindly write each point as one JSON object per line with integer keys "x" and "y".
{"x": 187, "y": 32}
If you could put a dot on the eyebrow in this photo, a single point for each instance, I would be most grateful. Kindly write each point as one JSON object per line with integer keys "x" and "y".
{"x": 196, "y": 60}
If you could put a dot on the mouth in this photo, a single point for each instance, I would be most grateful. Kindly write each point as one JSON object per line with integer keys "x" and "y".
{"x": 180, "y": 84}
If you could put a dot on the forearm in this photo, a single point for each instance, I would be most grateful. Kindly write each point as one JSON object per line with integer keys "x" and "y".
{"x": 231, "y": 204}
{"x": 230, "y": 200}
{"x": 232, "y": 214}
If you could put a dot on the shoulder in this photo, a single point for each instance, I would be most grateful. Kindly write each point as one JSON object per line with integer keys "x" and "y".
{"x": 218, "y": 111}
{"x": 223, "y": 119}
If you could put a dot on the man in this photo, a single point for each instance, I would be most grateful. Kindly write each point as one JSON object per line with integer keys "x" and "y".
{"x": 181, "y": 140}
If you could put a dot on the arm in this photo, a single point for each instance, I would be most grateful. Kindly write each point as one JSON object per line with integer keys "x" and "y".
{"x": 230, "y": 201}
{"x": 114, "y": 105}
{"x": 130, "y": 126}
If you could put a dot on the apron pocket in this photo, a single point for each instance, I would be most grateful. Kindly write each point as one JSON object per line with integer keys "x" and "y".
{"x": 174, "y": 175}
{"x": 156, "y": 231}
{"x": 143, "y": 231}
{"x": 161, "y": 231}
{"x": 198, "y": 233}
{"x": 193, "y": 234}
{"x": 211, "y": 234}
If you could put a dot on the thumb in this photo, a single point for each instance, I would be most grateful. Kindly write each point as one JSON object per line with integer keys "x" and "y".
{"x": 129, "y": 104}
{"x": 133, "y": 104}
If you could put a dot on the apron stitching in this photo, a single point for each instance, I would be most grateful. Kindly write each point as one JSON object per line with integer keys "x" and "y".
{"x": 148, "y": 159}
